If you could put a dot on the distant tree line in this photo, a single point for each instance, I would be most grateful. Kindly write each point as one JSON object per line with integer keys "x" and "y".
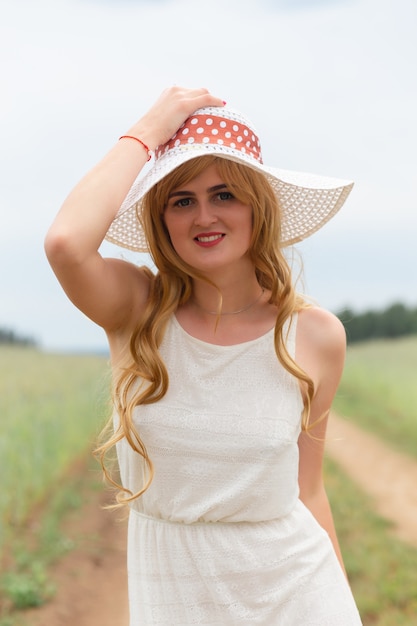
{"x": 397, "y": 320}
{"x": 9, "y": 337}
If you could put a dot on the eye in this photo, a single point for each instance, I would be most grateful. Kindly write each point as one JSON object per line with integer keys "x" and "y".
{"x": 182, "y": 203}
{"x": 224, "y": 195}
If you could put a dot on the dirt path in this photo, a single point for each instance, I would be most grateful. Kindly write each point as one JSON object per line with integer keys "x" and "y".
{"x": 91, "y": 581}
{"x": 388, "y": 476}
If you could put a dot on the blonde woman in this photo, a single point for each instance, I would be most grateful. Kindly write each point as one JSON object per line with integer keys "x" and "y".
{"x": 223, "y": 375}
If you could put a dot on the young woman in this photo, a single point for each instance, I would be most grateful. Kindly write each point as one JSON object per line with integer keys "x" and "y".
{"x": 223, "y": 375}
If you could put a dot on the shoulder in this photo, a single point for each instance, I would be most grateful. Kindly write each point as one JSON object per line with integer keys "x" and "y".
{"x": 320, "y": 327}
{"x": 320, "y": 343}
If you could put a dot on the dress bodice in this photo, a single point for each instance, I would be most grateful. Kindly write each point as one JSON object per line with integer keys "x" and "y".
{"x": 223, "y": 440}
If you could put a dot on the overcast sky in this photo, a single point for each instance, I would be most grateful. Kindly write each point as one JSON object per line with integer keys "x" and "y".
{"x": 330, "y": 86}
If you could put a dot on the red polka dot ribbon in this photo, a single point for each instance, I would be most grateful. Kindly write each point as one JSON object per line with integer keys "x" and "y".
{"x": 212, "y": 130}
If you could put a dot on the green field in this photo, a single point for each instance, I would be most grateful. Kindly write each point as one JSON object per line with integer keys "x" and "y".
{"x": 52, "y": 407}
{"x": 379, "y": 390}
{"x": 381, "y": 569}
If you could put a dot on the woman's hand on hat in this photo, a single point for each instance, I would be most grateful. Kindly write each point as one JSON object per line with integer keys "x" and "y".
{"x": 172, "y": 108}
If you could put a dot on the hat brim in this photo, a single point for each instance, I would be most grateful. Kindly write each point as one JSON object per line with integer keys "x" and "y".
{"x": 307, "y": 201}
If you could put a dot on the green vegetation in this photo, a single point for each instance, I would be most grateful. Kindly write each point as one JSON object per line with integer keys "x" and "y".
{"x": 10, "y": 338}
{"x": 397, "y": 320}
{"x": 52, "y": 407}
{"x": 381, "y": 569}
{"x": 39, "y": 543}
{"x": 379, "y": 391}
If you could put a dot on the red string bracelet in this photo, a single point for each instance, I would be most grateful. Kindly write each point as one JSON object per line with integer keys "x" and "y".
{"x": 139, "y": 141}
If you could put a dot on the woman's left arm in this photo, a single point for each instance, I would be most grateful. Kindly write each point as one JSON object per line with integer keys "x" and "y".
{"x": 321, "y": 348}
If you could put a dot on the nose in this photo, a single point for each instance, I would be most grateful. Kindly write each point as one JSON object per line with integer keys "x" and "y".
{"x": 205, "y": 214}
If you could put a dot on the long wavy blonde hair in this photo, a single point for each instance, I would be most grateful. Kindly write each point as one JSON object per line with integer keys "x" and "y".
{"x": 144, "y": 377}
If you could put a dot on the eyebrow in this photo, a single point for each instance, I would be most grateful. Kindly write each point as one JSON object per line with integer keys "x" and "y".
{"x": 182, "y": 193}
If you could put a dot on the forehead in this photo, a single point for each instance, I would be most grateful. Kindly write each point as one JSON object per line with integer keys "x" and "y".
{"x": 203, "y": 179}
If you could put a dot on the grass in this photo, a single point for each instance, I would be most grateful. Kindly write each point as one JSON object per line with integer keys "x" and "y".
{"x": 25, "y": 581}
{"x": 51, "y": 408}
{"x": 379, "y": 390}
{"x": 381, "y": 569}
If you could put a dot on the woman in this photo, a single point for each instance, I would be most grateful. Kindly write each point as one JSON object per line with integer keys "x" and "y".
{"x": 223, "y": 375}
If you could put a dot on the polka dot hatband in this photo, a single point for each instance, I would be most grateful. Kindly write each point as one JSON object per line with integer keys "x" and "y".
{"x": 307, "y": 201}
{"x": 209, "y": 129}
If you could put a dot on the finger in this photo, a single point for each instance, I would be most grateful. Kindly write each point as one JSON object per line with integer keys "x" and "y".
{"x": 198, "y": 97}
{"x": 204, "y": 95}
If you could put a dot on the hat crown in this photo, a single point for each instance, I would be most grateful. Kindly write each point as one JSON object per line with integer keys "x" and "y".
{"x": 217, "y": 129}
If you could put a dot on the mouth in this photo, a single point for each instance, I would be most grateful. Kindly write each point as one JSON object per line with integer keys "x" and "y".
{"x": 208, "y": 239}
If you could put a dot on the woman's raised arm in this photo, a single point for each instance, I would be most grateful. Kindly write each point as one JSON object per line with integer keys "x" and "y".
{"x": 109, "y": 291}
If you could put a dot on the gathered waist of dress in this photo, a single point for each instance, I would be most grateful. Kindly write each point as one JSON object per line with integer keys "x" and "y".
{"x": 201, "y": 522}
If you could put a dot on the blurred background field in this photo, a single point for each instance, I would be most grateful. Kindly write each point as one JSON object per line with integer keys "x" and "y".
{"x": 379, "y": 390}
{"x": 51, "y": 408}
{"x": 381, "y": 568}
{"x": 53, "y": 405}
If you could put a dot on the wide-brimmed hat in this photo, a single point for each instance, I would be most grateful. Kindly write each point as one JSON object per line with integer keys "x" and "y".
{"x": 307, "y": 201}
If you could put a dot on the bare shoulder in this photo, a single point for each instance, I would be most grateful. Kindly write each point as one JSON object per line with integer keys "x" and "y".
{"x": 321, "y": 327}
{"x": 321, "y": 344}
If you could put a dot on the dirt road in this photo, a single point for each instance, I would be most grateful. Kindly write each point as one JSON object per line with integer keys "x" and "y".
{"x": 91, "y": 580}
{"x": 389, "y": 477}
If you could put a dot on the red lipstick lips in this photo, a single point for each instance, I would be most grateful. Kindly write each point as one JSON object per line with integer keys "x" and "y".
{"x": 207, "y": 240}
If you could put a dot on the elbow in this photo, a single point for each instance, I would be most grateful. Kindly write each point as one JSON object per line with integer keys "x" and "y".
{"x": 60, "y": 248}
{"x": 55, "y": 244}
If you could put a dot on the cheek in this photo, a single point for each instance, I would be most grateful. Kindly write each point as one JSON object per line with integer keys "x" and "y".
{"x": 169, "y": 223}
{"x": 176, "y": 231}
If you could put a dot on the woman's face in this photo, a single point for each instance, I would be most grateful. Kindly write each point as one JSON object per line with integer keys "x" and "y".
{"x": 209, "y": 228}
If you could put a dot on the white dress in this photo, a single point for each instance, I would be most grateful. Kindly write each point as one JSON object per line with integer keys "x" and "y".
{"x": 221, "y": 537}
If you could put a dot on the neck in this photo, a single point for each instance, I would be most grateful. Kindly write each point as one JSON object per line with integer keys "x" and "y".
{"x": 232, "y": 299}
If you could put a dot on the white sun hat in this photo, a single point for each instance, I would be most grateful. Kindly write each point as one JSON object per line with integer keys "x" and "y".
{"x": 307, "y": 201}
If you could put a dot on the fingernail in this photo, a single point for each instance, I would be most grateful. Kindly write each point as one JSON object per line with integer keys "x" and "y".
{"x": 224, "y": 102}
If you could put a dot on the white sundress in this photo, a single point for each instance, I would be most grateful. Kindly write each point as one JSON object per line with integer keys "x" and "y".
{"x": 221, "y": 537}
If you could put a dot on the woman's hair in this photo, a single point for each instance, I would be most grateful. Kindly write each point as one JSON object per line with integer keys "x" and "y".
{"x": 144, "y": 377}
